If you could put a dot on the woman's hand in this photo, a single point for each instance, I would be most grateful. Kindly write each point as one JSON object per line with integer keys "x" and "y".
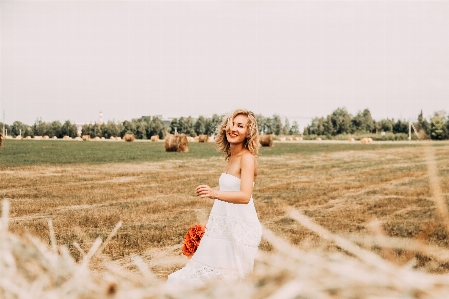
{"x": 204, "y": 191}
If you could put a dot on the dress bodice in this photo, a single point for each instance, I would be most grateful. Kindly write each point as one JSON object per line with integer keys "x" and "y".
{"x": 229, "y": 182}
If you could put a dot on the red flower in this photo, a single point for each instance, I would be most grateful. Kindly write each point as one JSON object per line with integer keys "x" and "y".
{"x": 192, "y": 239}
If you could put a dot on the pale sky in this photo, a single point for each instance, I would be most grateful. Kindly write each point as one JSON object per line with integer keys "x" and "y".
{"x": 299, "y": 59}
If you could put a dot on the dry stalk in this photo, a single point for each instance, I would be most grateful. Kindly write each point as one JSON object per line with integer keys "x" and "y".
{"x": 435, "y": 252}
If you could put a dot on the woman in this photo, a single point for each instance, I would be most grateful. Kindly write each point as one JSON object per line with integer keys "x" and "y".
{"x": 233, "y": 231}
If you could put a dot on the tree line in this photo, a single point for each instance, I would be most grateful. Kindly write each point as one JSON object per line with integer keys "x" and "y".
{"x": 339, "y": 122}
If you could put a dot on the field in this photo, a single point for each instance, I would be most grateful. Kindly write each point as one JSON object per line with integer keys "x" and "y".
{"x": 87, "y": 187}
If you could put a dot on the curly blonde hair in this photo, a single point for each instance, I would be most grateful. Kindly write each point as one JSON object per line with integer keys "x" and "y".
{"x": 252, "y": 138}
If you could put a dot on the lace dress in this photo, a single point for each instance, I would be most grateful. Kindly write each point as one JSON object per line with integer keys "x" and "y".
{"x": 229, "y": 244}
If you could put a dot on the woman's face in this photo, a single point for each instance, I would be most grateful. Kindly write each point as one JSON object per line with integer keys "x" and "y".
{"x": 239, "y": 129}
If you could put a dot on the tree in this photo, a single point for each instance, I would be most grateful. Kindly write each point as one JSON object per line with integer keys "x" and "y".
{"x": 423, "y": 126}
{"x": 18, "y": 127}
{"x": 363, "y": 122}
{"x": 200, "y": 125}
{"x": 174, "y": 125}
{"x": 56, "y": 129}
{"x": 261, "y": 123}
{"x": 41, "y": 128}
{"x": 401, "y": 126}
{"x": 294, "y": 130}
{"x": 277, "y": 124}
{"x": 186, "y": 126}
{"x": 328, "y": 128}
{"x": 69, "y": 129}
{"x": 305, "y": 132}
{"x": 286, "y": 127}
{"x": 141, "y": 130}
{"x": 437, "y": 125}
{"x": 110, "y": 129}
{"x": 386, "y": 125}
{"x": 341, "y": 121}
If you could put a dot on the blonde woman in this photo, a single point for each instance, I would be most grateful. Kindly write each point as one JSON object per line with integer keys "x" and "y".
{"x": 233, "y": 230}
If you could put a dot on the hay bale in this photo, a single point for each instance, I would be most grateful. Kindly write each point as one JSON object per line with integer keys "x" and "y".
{"x": 67, "y": 137}
{"x": 96, "y": 138}
{"x": 129, "y": 137}
{"x": 86, "y": 137}
{"x": 289, "y": 138}
{"x": 37, "y": 137}
{"x": 176, "y": 143}
{"x": 118, "y": 138}
{"x": 351, "y": 139}
{"x": 54, "y": 137}
{"x": 266, "y": 140}
{"x": 19, "y": 137}
{"x": 112, "y": 138}
{"x": 203, "y": 138}
{"x": 196, "y": 139}
{"x": 78, "y": 138}
{"x": 211, "y": 139}
{"x": 282, "y": 139}
{"x": 297, "y": 138}
{"x": 364, "y": 141}
{"x": 28, "y": 137}
{"x": 46, "y": 137}
{"x": 155, "y": 138}
{"x": 370, "y": 140}
{"x": 190, "y": 139}
{"x": 102, "y": 138}
{"x": 318, "y": 139}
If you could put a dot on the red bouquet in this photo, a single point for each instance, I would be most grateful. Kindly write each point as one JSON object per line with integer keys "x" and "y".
{"x": 192, "y": 239}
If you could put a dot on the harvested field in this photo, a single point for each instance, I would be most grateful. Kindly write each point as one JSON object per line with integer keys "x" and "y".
{"x": 342, "y": 187}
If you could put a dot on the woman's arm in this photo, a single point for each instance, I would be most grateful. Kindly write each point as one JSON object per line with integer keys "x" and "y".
{"x": 247, "y": 166}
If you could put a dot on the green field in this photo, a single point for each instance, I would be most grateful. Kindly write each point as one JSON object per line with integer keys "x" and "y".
{"x": 17, "y": 153}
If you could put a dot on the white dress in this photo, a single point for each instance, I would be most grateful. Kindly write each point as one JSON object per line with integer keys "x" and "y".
{"x": 229, "y": 244}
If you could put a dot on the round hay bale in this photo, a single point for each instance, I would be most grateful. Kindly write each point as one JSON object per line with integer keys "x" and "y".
{"x": 28, "y": 137}
{"x": 318, "y": 139}
{"x": 118, "y": 138}
{"x": 289, "y": 138}
{"x": 298, "y": 138}
{"x": 155, "y": 138}
{"x": 78, "y": 138}
{"x": 46, "y": 137}
{"x": 203, "y": 138}
{"x": 176, "y": 143}
{"x": 266, "y": 140}
{"x": 211, "y": 139}
{"x": 112, "y": 138}
{"x": 96, "y": 138}
{"x": 351, "y": 139}
{"x": 86, "y": 137}
{"x": 37, "y": 137}
{"x": 19, "y": 137}
{"x": 102, "y": 138}
{"x": 364, "y": 140}
{"x": 370, "y": 140}
{"x": 129, "y": 137}
{"x": 282, "y": 139}
{"x": 66, "y": 137}
{"x": 190, "y": 139}
{"x": 54, "y": 137}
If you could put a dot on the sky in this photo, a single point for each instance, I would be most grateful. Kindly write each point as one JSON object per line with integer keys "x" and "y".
{"x": 300, "y": 59}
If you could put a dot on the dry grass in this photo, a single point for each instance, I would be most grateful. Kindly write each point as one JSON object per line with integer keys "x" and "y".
{"x": 343, "y": 192}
